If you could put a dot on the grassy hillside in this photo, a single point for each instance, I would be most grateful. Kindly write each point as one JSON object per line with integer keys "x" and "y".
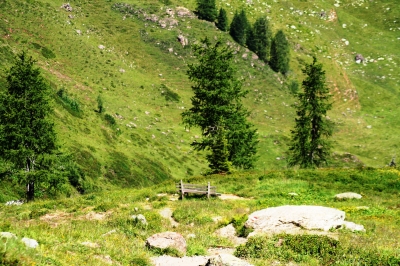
{"x": 121, "y": 53}
{"x": 95, "y": 229}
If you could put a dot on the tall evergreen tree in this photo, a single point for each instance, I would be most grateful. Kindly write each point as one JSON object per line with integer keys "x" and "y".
{"x": 309, "y": 145}
{"x": 280, "y": 53}
{"x": 207, "y": 10}
{"x": 217, "y": 106}
{"x": 27, "y": 137}
{"x": 219, "y": 157}
{"x": 222, "y": 20}
{"x": 239, "y": 27}
{"x": 259, "y": 39}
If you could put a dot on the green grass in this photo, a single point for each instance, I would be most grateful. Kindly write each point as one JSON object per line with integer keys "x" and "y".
{"x": 60, "y": 226}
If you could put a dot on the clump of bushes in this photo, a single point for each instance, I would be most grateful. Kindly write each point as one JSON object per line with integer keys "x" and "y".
{"x": 72, "y": 106}
{"x": 303, "y": 248}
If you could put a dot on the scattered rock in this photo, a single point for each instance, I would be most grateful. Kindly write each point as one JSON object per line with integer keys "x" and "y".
{"x": 226, "y": 260}
{"x": 90, "y": 244}
{"x": 348, "y": 195}
{"x": 139, "y": 218}
{"x": 228, "y": 231}
{"x": 14, "y": 202}
{"x": 184, "y": 12}
{"x": 71, "y": 16}
{"x": 292, "y": 219}
{"x": 167, "y": 240}
{"x": 29, "y": 242}
{"x": 122, "y": 70}
{"x": 216, "y": 219}
{"x": 191, "y": 236}
{"x": 167, "y": 213}
{"x": 359, "y": 58}
{"x": 353, "y": 226}
{"x": 79, "y": 32}
{"x": 183, "y": 40}
{"x": 67, "y": 7}
{"x": 171, "y": 22}
{"x": 101, "y": 47}
{"x": 170, "y": 50}
{"x": 105, "y": 258}
{"x": 151, "y": 17}
{"x": 109, "y": 232}
{"x": 184, "y": 261}
{"x": 170, "y": 12}
{"x": 7, "y": 235}
{"x": 293, "y": 194}
{"x": 369, "y": 126}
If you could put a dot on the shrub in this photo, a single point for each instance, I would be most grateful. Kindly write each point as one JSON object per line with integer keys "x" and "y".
{"x": 110, "y": 119}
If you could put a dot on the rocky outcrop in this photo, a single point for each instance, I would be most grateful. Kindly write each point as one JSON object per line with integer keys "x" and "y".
{"x": 167, "y": 240}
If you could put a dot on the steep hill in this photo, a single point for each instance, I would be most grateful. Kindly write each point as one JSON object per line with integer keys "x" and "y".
{"x": 128, "y": 54}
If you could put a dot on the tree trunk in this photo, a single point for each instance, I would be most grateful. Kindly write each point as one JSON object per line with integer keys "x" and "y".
{"x": 30, "y": 191}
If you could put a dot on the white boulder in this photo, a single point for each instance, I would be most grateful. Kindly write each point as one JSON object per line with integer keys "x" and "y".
{"x": 293, "y": 218}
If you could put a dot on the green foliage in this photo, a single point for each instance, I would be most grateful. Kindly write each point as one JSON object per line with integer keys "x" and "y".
{"x": 309, "y": 145}
{"x": 238, "y": 222}
{"x": 100, "y": 107}
{"x": 280, "y": 53}
{"x": 207, "y": 10}
{"x": 239, "y": 27}
{"x": 293, "y": 87}
{"x": 303, "y": 248}
{"x": 169, "y": 94}
{"x": 69, "y": 103}
{"x": 219, "y": 157}
{"x": 110, "y": 119}
{"x": 222, "y": 20}
{"x": 217, "y": 104}
{"x": 259, "y": 38}
{"x": 27, "y": 135}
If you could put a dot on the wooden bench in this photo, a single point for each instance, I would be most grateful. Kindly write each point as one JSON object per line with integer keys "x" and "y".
{"x": 197, "y": 189}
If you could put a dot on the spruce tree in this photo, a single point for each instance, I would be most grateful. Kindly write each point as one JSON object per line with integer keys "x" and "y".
{"x": 219, "y": 157}
{"x": 239, "y": 27}
{"x": 27, "y": 136}
{"x": 222, "y": 20}
{"x": 259, "y": 39}
{"x": 207, "y": 10}
{"x": 217, "y": 106}
{"x": 310, "y": 146}
{"x": 280, "y": 53}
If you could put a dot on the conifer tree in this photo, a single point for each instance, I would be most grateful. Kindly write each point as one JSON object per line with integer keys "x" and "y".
{"x": 310, "y": 146}
{"x": 217, "y": 108}
{"x": 207, "y": 10}
{"x": 280, "y": 53}
{"x": 239, "y": 27}
{"x": 259, "y": 39}
{"x": 27, "y": 136}
{"x": 219, "y": 157}
{"x": 222, "y": 20}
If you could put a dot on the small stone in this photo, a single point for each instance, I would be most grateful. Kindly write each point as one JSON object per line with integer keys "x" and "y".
{"x": 139, "y": 218}
{"x": 353, "y": 226}
{"x": 30, "y": 243}
{"x": 294, "y": 194}
{"x": 369, "y": 126}
{"x": 7, "y": 235}
{"x": 90, "y": 244}
{"x": 101, "y": 47}
{"x": 348, "y": 195}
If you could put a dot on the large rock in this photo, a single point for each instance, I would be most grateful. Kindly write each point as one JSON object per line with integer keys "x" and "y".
{"x": 291, "y": 219}
{"x": 167, "y": 240}
{"x": 348, "y": 195}
{"x": 230, "y": 232}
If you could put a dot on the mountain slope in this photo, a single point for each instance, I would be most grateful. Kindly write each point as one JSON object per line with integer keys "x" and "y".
{"x": 122, "y": 53}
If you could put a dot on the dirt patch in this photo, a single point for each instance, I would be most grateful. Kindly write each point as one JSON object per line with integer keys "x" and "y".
{"x": 56, "y": 218}
{"x": 97, "y": 216}
{"x": 231, "y": 197}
